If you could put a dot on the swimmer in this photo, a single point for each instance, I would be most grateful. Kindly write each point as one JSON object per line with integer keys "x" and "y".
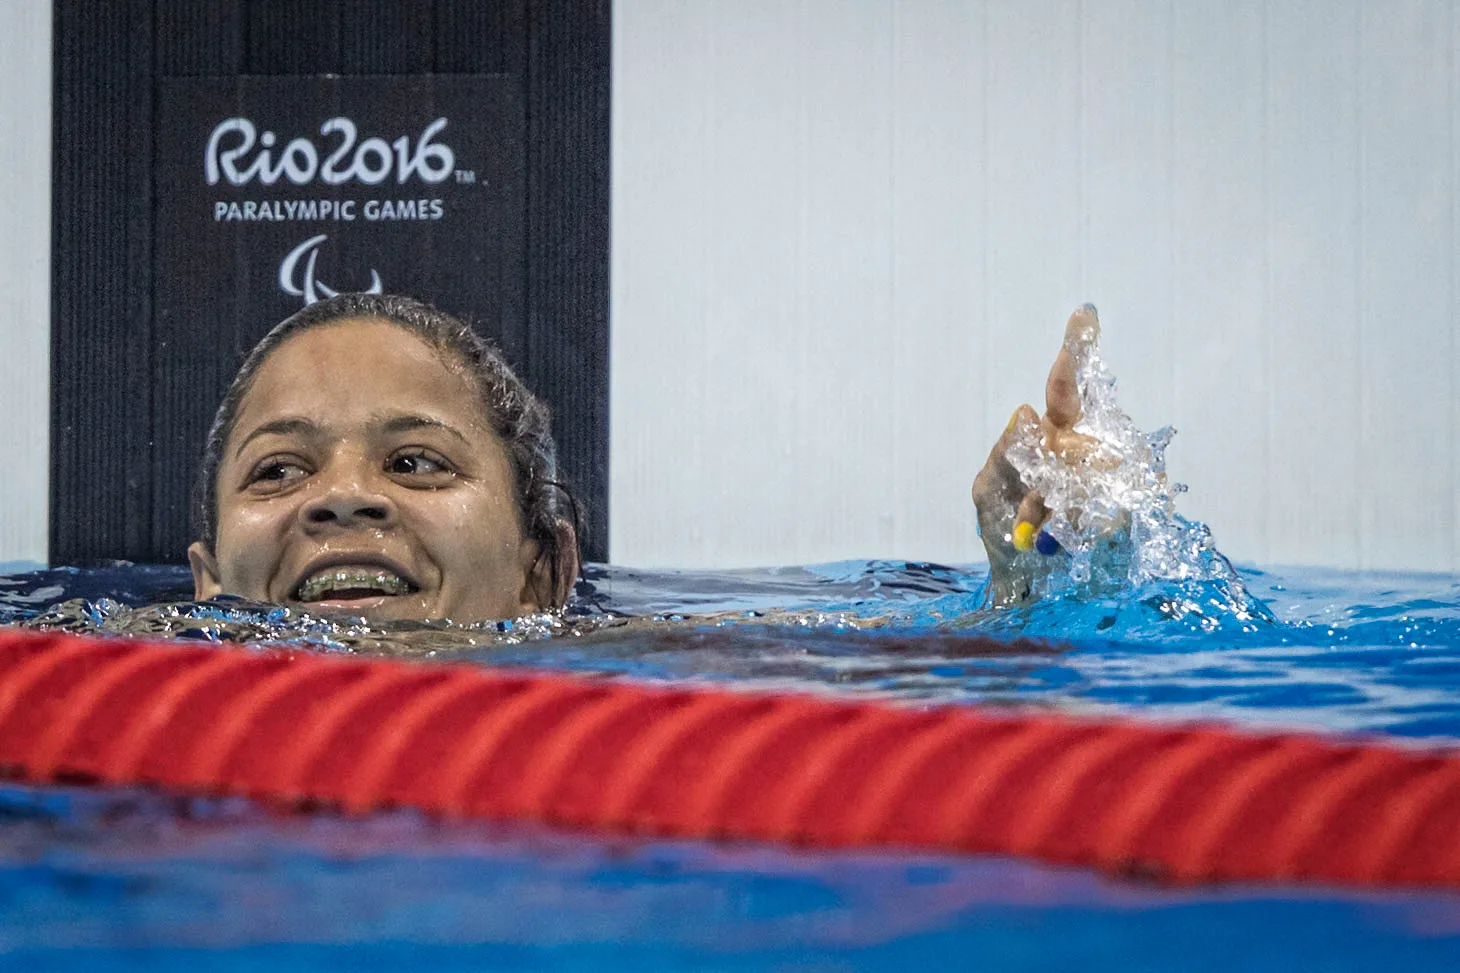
{"x": 374, "y": 456}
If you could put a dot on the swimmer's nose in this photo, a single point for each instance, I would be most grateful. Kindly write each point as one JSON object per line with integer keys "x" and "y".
{"x": 348, "y": 506}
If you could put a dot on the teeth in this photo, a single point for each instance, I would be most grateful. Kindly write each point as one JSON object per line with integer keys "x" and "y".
{"x": 316, "y": 586}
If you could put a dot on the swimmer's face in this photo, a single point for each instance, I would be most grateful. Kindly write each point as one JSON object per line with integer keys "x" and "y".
{"x": 362, "y": 475}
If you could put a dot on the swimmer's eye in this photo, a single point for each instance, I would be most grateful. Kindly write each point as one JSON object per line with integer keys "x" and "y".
{"x": 417, "y": 462}
{"x": 275, "y": 473}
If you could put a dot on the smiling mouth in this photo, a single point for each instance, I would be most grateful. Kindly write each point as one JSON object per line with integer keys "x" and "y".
{"x": 350, "y": 583}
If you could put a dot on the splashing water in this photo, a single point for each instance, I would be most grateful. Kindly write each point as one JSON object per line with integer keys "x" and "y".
{"x": 1113, "y": 511}
{"x": 1318, "y": 649}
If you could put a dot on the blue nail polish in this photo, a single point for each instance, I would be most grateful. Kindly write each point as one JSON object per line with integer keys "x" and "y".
{"x": 1046, "y": 544}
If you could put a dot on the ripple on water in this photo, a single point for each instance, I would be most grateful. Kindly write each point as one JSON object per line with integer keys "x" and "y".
{"x": 1296, "y": 648}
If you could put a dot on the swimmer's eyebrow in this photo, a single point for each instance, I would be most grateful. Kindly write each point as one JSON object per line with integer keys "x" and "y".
{"x": 407, "y": 423}
{"x": 289, "y": 426}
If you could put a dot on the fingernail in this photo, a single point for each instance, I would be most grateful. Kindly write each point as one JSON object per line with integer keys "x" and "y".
{"x": 1013, "y": 421}
{"x": 1023, "y": 536}
{"x": 1046, "y": 544}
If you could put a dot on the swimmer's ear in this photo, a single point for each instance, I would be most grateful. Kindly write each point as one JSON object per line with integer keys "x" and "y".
{"x": 545, "y": 584}
{"x": 533, "y": 596}
{"x": 205, "y": 571}
{"x": 566, "y": 570}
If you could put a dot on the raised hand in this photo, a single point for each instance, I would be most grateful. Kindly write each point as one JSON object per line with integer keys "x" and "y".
{"x": 1010, "y": 515}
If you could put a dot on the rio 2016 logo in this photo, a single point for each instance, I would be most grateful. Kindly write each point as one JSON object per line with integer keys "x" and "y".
{"x": 370, "y": 161}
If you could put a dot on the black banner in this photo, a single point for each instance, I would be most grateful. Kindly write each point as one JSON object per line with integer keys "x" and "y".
{"x": 275, "y": 192}
{"x": 162, "y": 279}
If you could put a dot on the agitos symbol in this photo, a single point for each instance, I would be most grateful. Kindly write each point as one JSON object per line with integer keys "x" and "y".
{"x": 311, "y": 288}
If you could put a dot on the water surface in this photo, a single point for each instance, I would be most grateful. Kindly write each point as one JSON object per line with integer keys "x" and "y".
{"x": 105, "y": 879}
{"x": 1285, "y": 648}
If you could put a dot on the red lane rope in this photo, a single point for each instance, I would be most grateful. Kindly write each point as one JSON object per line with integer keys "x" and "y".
{"x": 294, "y": 770}
{"x": 390, "y": 764}
{"x": 1187, "y": 803}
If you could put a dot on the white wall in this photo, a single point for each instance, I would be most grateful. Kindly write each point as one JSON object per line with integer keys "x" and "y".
{"x": 25, "y": 281}
{"x": 847, "y": 234}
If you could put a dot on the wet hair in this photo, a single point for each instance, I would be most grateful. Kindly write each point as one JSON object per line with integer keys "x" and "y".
{"x": 550, "y": 515}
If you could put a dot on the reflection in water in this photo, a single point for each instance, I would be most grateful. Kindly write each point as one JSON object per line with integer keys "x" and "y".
{"x": 113, "y": 870}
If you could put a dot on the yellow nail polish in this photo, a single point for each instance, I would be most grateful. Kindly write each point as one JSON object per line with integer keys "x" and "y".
{"x": 1013, "y": 421}
{"x": 1024, "y": 536}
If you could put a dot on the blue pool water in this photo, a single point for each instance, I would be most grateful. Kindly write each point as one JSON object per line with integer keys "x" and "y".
{"x": 120, "y": 880}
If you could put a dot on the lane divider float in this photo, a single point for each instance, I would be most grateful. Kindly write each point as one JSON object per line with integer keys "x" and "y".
{"x": 1182, "y": 803}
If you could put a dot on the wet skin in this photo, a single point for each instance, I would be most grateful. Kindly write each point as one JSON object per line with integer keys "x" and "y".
{"x": 362, "y": 473}
{"x": 999, "y": 496}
